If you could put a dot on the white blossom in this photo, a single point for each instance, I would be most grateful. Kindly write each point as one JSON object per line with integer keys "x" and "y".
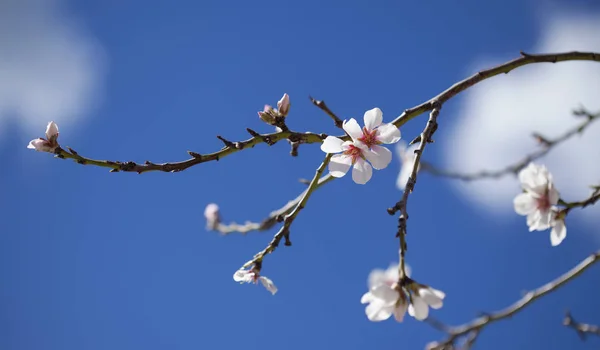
{"x": 538, "y": 202}
{"x": 49, "y": 144}
{"x": 423, "y": 298}
{"x": 382, "y": 298}
{"x": 407, "y": 158}
{"x": 253, "y": 276}
{"x": 365, "y": 146}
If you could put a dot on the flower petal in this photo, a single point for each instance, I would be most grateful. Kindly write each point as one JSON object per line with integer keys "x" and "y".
{"x": 332, "y": 144}
{"x": 267, "y": 283}
{"x": 243, "y": 276}
{"x": 392, "y": 274}
{"x": 553, "y": 194}
{"x": 434, "y": 298}
{"x": 558, "y": 233}
{"x": 380, "y": 157}
{"x": 40, "y": 145}
{"x": 376, "y": 277}
{"x": 51, "y": 131}
{"x": 418, "y": 308}
{"x": 352, "y": 128}
{"x": 377, "y": 311}
{"x": 388, "y": 133}
{"x": 367, "y": 298}
{"x": 524, "y": 203}
{"x": 400, "y": 311}
{"x": 373, "y": 117}
{"x": 362, "y": 172}
{"x": 339, "y": 165}
{"x": 385, "y": 294}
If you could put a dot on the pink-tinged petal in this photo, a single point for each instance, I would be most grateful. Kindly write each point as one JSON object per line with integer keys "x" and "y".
{"x": 380, "y": 157}
{"x": 434, "y": 298}
{"x": 373, "y": 118}
{"x": 418, "y": 308}
{"x": 362, "y": 172}
{"x": 352, "y": 128}
{"x": 268, "y": 284}
{"x": 400, "y": 311}
{"x": 40, "y": 145}
{"x": 51, "y": 131}
{"x": 332, "y": 144}
{"x": 377, "y": 312}
{"x": 339, "y": 165}
{"x": 391, "y": 273}
{"x": 284, "y": 105}
{"x": 553, "y": 194}
{"x": 524, "y": 204}
{"x": 376, "y": 277}
{"x": 388, "y": 133}
{"x": 558, "y": 233}
{"x": 385, "y": 294}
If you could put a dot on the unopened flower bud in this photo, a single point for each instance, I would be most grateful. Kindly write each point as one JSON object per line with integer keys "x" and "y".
{"x": 284, "y": 105}
{"x": 50, "y": 143}
{"x": 267, "y": 115}
{"x": 211, "y": 213}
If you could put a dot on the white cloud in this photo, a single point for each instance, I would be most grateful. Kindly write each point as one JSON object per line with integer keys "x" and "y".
{"x": 50, "y": 68}
{"x": 495, "y": 120}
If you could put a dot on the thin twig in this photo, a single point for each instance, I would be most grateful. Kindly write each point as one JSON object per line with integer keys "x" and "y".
{"x": 284, "y": 232}
{"x": 321, "y": 104}
{"x": 406, "y": 116}
{"x": 547, "y": 145}
{"x": 273, "y": 218}
{"x": 582, "y": 329}
{"x": 230, "y": 148}
{"x": 425, "y": 138}
{"x": 454, "y": 333}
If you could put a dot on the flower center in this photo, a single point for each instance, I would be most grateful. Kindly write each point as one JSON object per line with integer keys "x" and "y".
{"x": 369, "y": 138}
{"x": 543, "y": 203}
{"x": 353, "y": 152}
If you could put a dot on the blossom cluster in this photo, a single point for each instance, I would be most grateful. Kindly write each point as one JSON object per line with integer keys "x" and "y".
{"x": 390, "y": 294}
{"x": 392, "y": 291}
{"x": 538, "y": 202}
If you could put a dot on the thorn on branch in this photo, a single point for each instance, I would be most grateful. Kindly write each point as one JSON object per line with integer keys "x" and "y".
{"x": 225, "y": 141}
{"x": 265, "y": 139}
{"x": 193, "y": 154}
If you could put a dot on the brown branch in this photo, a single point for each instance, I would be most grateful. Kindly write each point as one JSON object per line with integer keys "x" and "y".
{"x": 477, "y": 325}
{"x": 273, "y": 218}
{"x": 230, "y": 148}
{"x": 582, "y": 329}
{"x": 308, "y": 137}
{"x": 402, "y": 205}
{"x": 284, "y": 232}
{"x": 321, "y": 104}
{"x": 478, "y": 77}
{"x": 591, "y": 200}
{"x": 547, "y": 145}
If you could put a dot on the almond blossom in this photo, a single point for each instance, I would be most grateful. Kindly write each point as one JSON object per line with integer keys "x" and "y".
{"x": 383, "y": 297}
{"x": 538, "y": 202}
{"x": 49, "y": 144}
{"x": 407, "y": 159}
{"x": 423, "y": 298}
{"x": 365, "y": 146}
{"x": 253, "y": 276}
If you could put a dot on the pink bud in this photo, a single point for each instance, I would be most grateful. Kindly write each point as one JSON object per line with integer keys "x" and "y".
{"x": 50, "y": 143}
{"x": 284, "y": 105}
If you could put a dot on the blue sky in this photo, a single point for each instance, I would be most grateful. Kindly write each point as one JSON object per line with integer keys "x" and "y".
{"x": 96, "y": 260}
